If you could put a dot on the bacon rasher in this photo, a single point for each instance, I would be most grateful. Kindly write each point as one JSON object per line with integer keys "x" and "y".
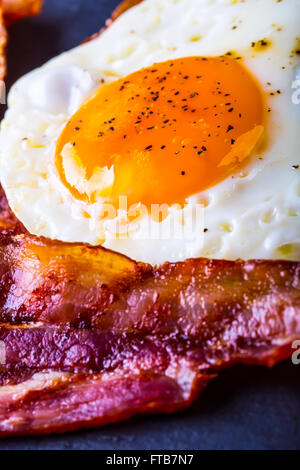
{"x": 93, "y": 337}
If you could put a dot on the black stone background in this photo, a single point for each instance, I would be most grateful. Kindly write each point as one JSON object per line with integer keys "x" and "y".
{"x": 246, "y": 407}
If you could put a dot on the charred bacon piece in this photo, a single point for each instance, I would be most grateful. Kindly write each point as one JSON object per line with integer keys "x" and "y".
{"x": 97, "y": 337}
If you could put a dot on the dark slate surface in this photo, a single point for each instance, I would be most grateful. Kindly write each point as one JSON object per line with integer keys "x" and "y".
{"x": 246, "y": 407}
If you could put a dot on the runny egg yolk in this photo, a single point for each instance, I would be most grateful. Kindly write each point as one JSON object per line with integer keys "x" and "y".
{"x": 163, "y": 133}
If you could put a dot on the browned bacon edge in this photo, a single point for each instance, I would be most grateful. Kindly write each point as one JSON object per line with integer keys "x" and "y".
{"x": 97, "y": 337}
{"x": 9, "y": 224}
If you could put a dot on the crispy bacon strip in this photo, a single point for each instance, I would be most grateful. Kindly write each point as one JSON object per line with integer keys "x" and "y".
{"x": 124, "y": 6}
{"x": 55, "y": 282}
{"x": 17, "y": 9}
{"x": 106, "y": 338}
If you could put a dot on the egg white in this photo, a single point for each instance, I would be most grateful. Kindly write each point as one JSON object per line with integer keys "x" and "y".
{"x": 254, "y": 213}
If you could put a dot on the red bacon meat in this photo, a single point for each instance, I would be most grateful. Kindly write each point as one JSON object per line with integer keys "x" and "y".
{"x": 93, "y": 337}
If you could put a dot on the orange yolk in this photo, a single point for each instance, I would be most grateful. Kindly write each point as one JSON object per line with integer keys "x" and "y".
{"x": 169, "y": 131}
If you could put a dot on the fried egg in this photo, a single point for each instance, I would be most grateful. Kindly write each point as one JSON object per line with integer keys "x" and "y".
{"x": 173, "y": 134}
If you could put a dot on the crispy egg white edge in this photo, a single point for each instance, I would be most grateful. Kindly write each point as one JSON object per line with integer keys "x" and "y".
{"x": 253, "y": 214}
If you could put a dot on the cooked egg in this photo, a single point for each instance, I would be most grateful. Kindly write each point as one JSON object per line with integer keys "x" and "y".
{"x": 171, "y": 135}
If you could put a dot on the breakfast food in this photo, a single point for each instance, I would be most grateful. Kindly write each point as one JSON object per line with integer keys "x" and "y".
{"x": 188, "y": 107}
{"x": 59, "y": 177}
{"x": 93, "y": 337}
{"x": 9, "y": 224}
